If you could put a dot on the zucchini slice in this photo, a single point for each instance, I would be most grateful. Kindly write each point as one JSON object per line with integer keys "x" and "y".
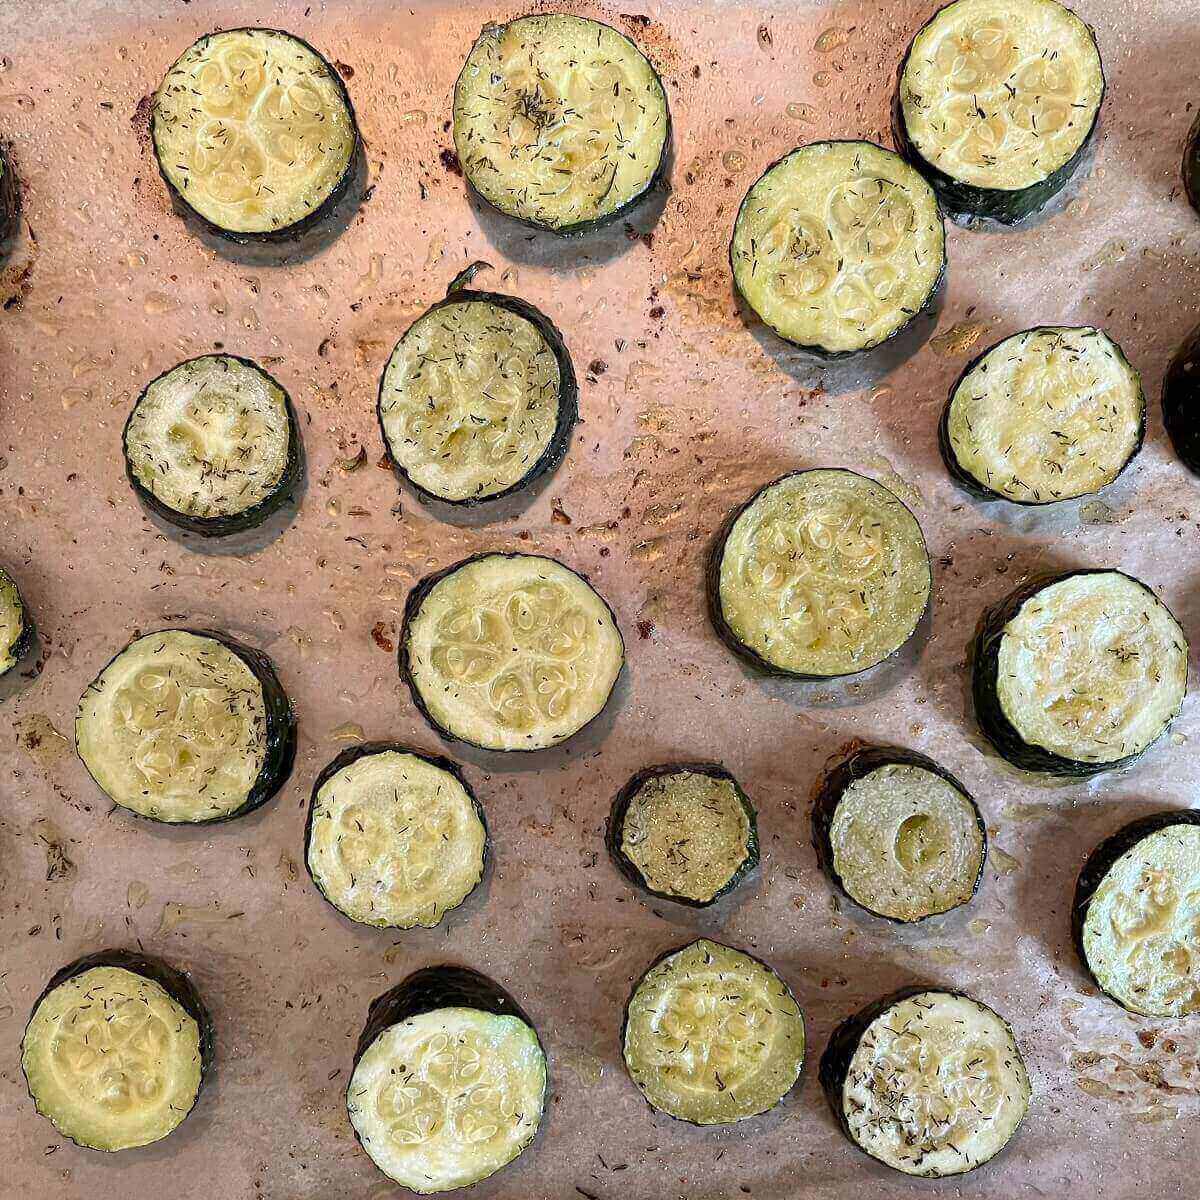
{"x": 449, "y": 1080}
{"x": 712, "y": 1035}
{"x": 899, "y": 834}
{"x": 509, "y": 651}
{"x": 10, "y": 196}
{"x": 16, "y": 629}
{"x": 684, "y": 832}
{"x": 1079, "y": 672}
{"x": 254, "y": 132}
{"x": 1181, "y": 402}
{"x": 395, "y": 838}
{"x": 187, "y": 726}
{"x": 822, "y": 573}
{"x": 116, "y": 1050}
{"x": 212, "y": 445}
{"x": 559, "y": 121}
{"x": 931, "y": 1083}
{"x": 1135, "y": 915}
{"x": 478, "y": 398}
{"x": 998, "y": 102}
{"x": 838, "y": 246}
{"x": 1048, "y": 414}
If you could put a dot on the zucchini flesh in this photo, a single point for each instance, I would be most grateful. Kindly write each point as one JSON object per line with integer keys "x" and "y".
{"x": 1181, "y": 402}
{"x": 712, "y": 1035}
{"x": 510, "y": 651}
{"x": 559, "y": 121}
{"x": 838, "y": 246}
{"x": 253, "y": 131}
{"x": 1045, "y": 415}
{"x": 15, "y": 630}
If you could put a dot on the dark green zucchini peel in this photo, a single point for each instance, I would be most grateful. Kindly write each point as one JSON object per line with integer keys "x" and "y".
{"x": 16, "y": 626}
{"x": 1191, "y": 165}
{"x": 1181, "y": 402}
{"x": 10, "y": 196}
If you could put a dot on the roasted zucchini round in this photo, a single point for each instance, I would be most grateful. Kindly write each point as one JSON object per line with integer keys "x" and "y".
{"x": 16, "y": 628}
{"x": 838, "y": 246}
{"x": 1181, "y": 402}
{"x": 1079, "y": 673}
{"x": 10, "y": 196}
{"x": 187, "y": 726}
{"x": 559, "y": 121}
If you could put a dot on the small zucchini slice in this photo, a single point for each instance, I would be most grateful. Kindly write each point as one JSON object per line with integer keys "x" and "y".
{"x": 395, "y": 838}
{"x": 712, "y": 1035}
{"x": 212, "y": 445}
{"x": 931, "y": 1083}
{"x": 838, "y": 246}
{"x": 478, "y": 398}
{"x": 559, "y": 121}
{"x": 899, "y": 834}
{"x": 116, "y": 1050}
{"x": 822, "y": 573}
{"x": 509, "y": 651}
{"x": 1045, "y": 415}
{"x": 1079, "y": 672}
{"x": 1134, "y": 916}
{"x": 16, "y": 628}
{"x": 684, "y": 832}
{"x": 254, "y": 133}
{"x": 449, "y": 1080}
{"x": 187, "y": 726}
{"x": 997, "y": 104}
{"x": 1181, "y": 402}
{"x": 10, "y": 196}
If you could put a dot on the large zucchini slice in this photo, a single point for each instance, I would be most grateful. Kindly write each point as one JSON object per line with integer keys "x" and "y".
{"x": 998, "y": 102}
{"x": 1181, "y": 402}
{"x": 16, "y": 628}
{"x": 254, "y": 133}
{"x": 899, "y": 834}
{"x": 1079, "y": 672}
{"x": 10, "y": 196}
{"x": 931, "y": 1083}
{"x": 822, "y": 573}
{"x": 187, "y": 726}
{"x": 509, "y": 651}
{"x": 449, "y": 1080}
{"x": 394, "y": 838}
{"x": 559, "y": 121}
{"x": 838, "y": 246}
{"x": 1045, "y": 415}
{"x": 212, "y": 445}
{"x": 1135, "y": 913}
{"x": 684, "y": 831}
{"x": 116, "y": 1050}
{"x": 479, "y": 396}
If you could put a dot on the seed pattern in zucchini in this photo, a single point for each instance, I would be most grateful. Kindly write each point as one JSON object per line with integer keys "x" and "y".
{"x": 559, "y": 121}
{"x": 1181, "y": 402}
{"x": 838, "y": 246}
{"x": 16, "y": 629}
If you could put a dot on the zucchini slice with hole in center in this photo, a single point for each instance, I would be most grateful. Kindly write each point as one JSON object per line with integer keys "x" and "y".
{"x": 212, "y": 445}
{"x": 254, "y": 132}
{"x": 1048, "y": 414}
{"x": 712, "y": 1035}
{"x": 1181, "y": 402}
{"x": 116, "y": 1050}
{"x": 187, "y": 726}
{"x": 395, "y": 838}
{"x": 931, "y": 1083}
{"x": 1079, "y": 673}
{"x": 838, "y": 246}
{"x": 449, "y": 1080}
{"x": 509, "y": 651}
{"x": 16, "y": 629}
{"x": 997, "y": 104}
{"x": 822, "y": 573}
{"x": 10, "y": 202}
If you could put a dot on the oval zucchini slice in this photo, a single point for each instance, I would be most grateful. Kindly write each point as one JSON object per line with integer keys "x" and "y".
{"x": 1181, "y": 402}
{"x": 1079, "y": 673}
{"x": 16, "y": 628}
{"x": 187, "y": 726}
{"x": 394, "y": 838}
{"x": 254, "y": 132}
{"x": 1134, "y": 916}
{"x": 10, "y": 196}
{"x": 559, "y": 121}
{"x": 509, "y": 651}
{"x": 116, "y": 1050}
{"x": 684, "y": 832}
{"x": 449, "y": 1081}
{"x": 212, "y": 445}
{"x": 838, "y": 246}
{"x": 931, "y": 1083}
{"x": 997, "y": 104}
{"x": 822, "y": 573}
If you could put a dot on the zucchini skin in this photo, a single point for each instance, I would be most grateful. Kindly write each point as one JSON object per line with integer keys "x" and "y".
{"x": 235, "y": 522}
{"x": 857, "y": 765}
{"x": 10, "y": 195}
{"x": 24, "y": 641}
{"x": 1181, "y": 397}
{"x": 615, "y": 829}
{"x": 1191, "y": 165}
